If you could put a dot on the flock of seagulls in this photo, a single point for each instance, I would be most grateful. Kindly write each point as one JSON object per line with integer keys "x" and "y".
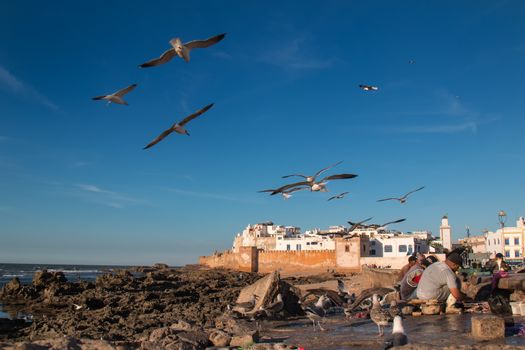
{"x": 181, "y": 50}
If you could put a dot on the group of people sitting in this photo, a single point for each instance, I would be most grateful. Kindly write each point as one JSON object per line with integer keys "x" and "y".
{"x": 427, "y": 278}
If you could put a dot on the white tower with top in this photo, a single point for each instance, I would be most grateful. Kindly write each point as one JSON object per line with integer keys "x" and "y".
{"x": 445, "y": 233}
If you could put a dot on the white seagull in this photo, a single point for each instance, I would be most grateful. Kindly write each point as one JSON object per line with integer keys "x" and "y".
{"x": 287, "y": 194}
{"x": 182, "y": 50}
{"x": 317, "y": 186}
{"x": 179, "y": 127}
{"x": 403, "y": 199}
{"x": 117, "y": 96}
{"x": 399, "y": 337}
{"x": 368, "y": 87}
{"x": 313, "y": 177}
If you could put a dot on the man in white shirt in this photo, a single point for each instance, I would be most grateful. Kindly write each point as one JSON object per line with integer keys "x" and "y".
{"x": 439, "y": 281}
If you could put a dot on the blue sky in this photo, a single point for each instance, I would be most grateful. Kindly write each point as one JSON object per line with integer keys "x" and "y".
{"x": 76, "y": 186}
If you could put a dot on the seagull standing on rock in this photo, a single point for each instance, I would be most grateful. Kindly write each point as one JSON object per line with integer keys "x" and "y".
{"x": 179, "y": 127}
{"x": 380, "y": 316}
{"x": 117, "y": 96}
{"x": 182, "y": 50}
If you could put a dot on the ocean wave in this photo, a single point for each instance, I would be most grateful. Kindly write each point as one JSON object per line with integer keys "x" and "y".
{"x": 74, "y": 271}
{"x": 13, "y": 275}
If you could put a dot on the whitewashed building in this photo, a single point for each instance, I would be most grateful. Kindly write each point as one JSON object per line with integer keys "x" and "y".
{"x": 508, "y": 240}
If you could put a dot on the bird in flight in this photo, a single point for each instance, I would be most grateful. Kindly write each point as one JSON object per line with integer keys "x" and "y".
{"x": 354, "y": 225}
{"x": 339, "y": 196}
{"x": 179, "y": 127}
{"x": 117, "y": 96}
{"x": 403, "y": 199}
{"x": 316, "y": 185}
{"x": 182, "y": 50}
{"x": 287, "y": 194}
{"x": 313, "y": 177}
{"x": 368, "y": 87}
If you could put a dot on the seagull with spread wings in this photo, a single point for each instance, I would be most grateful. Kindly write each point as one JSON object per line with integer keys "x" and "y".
{"x": 179, "y": 127}
{"x": 287, "y": 194}
{"x": 116, "y": 97}
{"x": 403, "y": 199}
{"x": 354, "y": 225}
{"x": 182, "y": 50}
{"x": 312, "y": 177}
{"x": 316, "y": 185}
{"x": 368, "y": 87}
{"x": 339, "y": 196}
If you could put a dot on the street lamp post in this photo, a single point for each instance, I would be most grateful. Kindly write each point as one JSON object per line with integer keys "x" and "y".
{"x": 502, "y": 218}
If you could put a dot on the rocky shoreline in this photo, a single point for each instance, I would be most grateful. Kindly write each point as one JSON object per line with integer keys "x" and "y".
{"x": 144, "y": 308}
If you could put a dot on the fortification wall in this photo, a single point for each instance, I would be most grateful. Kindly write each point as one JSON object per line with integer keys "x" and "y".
{"x": 244, "y": 260}
{"x": 297, "y": 261}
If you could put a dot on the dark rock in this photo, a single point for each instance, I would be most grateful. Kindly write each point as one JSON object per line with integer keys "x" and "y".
{"x": 219, "y": 338}
{"x": 12, "y": 288}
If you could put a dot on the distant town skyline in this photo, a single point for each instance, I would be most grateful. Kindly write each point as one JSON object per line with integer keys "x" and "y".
{"x": 77, "y": 187}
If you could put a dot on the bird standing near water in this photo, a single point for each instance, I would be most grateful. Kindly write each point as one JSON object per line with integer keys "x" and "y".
{"x": 380, "y": 316}
{"x": 399, "y": 337}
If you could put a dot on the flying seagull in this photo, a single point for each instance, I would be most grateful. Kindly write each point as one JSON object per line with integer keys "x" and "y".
{"x": 339, "y": 196}
{"x": 376, "y": 226}
{"x": 403, "y": 199}
{"x": 354, "y": 225}
{"x": 179, "y": 127}
{"x": 117, "y": 96}
{"x": 411, "y": 61}
{"x": 314, "y": 186}
{"x": 368, "y": 87}
{"x": 182, "y": 50}
{"x": 287, "y": 194}
{"x": 313, "y": 177}
{"x": 399, "y": 337}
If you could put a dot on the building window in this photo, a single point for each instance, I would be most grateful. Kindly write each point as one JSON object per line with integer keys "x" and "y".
{"x": 499, "y": 241}
{"x": 516, "y": 241}
{"x": 298, "y": 247}
{"x": 307, "y": 243}
{"x": 388, "y": 249}
{"x": 494, "y": 241}
{"x": 364, "y": 248}
{"x": 507, "y": 253}
{"x": 516, "y": 253}
{"x": 507, "y": 241}
{"x": 287, "y": 247}
{"x": 403, "y": 248}
{"x": 372, "y": 252}
{"x": 410, "y": 249}
{"x": 373, "y": 243}
{"x": 347, "y": 248}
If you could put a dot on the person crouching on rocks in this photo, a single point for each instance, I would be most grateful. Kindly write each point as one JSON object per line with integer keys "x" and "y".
{"x": 499, "y": 270}
{"x": 439, "y": 281}
{"x": 413, "y": 276}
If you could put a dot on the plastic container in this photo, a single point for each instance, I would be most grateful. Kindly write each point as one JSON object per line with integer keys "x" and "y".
{"x": 516, "y": 307}
{"x": 522, "y": 307}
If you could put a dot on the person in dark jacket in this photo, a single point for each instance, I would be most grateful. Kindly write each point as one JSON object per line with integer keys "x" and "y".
{"x": 499, "y": 269}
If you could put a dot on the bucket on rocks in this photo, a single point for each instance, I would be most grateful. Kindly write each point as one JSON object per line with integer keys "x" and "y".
{"x": 516, "y": 307}
{"x": 522, "y": 308}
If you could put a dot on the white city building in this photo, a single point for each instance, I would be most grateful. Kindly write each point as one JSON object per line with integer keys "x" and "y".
{"x": 508, "y": 241}
{"x": 445, "y": 233}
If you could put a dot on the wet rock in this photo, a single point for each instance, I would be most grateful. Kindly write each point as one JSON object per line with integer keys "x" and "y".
{"x": 12, "y": 288}
{"x": 161, "y": 266}
{"x": 44, "y": 278}
{"x": 181, "y": 325}
{"x": 488, "y": 327}
{"x": 10, "y": 326}
{"x": 94, "y": 303}
{"x": 219, "y": 338}
{"x": 243, "y": 340}
{"x": 198, "y": 339}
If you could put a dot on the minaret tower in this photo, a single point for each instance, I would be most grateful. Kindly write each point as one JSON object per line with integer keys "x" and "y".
{"x": 445, "y": 233}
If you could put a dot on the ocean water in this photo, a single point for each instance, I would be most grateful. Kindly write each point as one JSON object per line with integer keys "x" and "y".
{"x": 25, "y": 272}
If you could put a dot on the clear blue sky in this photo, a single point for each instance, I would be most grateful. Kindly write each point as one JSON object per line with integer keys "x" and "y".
{"x": 76, "y": 186}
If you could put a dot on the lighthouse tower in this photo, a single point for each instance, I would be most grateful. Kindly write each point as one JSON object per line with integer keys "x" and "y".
{"x": 445, "y": 233}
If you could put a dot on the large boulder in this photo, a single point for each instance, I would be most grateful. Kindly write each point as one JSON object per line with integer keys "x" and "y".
{"x": 12, "y": 288}
{"x": 44, "y": 278}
